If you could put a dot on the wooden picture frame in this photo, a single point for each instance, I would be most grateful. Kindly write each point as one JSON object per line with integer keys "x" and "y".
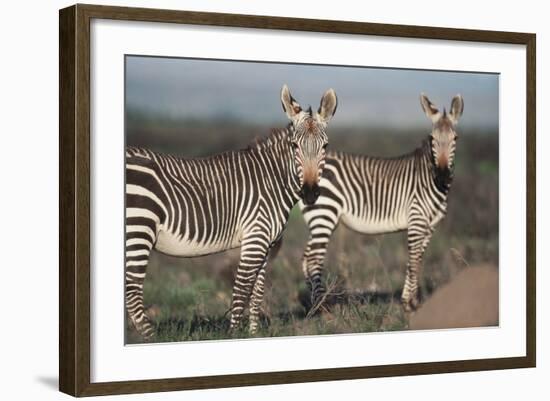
{"x": 74, "y": 199}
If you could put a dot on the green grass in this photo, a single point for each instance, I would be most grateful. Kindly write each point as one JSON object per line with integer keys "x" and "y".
{"x": 189, "y": 298}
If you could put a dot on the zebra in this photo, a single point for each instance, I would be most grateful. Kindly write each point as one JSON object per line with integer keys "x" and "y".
{"x": 381, "y": 195}
{"x": 193, "y": 207}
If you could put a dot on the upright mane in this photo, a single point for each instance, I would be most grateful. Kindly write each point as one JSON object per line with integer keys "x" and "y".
{"x": 275, "y": 136}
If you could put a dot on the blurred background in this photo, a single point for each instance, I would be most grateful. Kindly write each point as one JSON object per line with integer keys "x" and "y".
{"x": 191, "y": 107}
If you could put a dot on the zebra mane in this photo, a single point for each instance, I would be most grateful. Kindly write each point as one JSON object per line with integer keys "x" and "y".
{"x": 275, "y": 136}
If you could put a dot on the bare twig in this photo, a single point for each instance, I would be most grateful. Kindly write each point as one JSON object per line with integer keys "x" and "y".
{"x": 458, "y": 256}
{"x": 330, "y": 291}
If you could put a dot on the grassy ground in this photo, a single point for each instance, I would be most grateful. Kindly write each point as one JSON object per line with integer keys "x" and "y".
{"x": 189, "y": 298}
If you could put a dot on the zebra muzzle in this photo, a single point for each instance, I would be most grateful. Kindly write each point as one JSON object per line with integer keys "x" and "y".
{"x": 443, "y": 177}
{"x": 310, "y": 193}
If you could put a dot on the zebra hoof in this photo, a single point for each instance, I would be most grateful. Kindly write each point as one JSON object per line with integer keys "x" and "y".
{"x": 234, "y": 328}
{"x": 147, "y": 335}
{"x": 410, "y": 305}
{"x": 262, "y": 320}
{"x": 147, "y": 332}
{"x": 304, "y": 297}
{"x": 253, "y": 329}
{"x": 146, "y": 329}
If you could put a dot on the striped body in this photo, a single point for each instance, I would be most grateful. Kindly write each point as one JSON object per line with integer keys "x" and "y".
{"x": 373, "y": 196}
{"x": 203, "y": 206}
{"x": 192, "y": 207}
{"x": 382, "y": 195}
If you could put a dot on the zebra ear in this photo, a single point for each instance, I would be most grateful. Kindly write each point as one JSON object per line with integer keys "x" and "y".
{"x": 291, "y": 107}
{"x": 457, "y": 107}
{"x": 327, "y": 108}
{"x": 431, "y": 111}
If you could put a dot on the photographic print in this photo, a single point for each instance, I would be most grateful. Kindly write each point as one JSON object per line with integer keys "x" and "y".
{"x": 251, "y": 190}
{"x": 279, "y": 199}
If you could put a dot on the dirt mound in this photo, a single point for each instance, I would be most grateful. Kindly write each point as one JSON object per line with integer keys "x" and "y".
{"x": 469, "y": 300}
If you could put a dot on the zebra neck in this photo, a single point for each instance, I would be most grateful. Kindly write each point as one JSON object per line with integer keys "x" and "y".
{"x": 441, "y": 178}
{"x": 284, "y": 173}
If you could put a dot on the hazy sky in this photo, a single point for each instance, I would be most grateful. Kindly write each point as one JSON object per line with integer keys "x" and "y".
{"x": 250, "y": 91}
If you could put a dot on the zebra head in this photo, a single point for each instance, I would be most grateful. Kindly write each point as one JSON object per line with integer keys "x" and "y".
{"x": 309, "y": 140}
{"x": 443, "y": 136}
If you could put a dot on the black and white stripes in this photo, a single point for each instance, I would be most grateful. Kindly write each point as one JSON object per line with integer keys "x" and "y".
{"x": 374, "y": 195}
{"x": 192, "y": 207}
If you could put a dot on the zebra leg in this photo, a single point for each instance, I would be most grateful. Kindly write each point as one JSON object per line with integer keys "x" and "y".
{"x": 254, "y": 251}
{"x": 313, "y": 260}
{"x": 258, "y": 291}
{"x": 137, "y": 258}
{"x": 418, "y": 239}
{"x": 256, "y": 300}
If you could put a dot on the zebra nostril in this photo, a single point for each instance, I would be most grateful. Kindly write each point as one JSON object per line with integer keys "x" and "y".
{"x": 309, "y": 194}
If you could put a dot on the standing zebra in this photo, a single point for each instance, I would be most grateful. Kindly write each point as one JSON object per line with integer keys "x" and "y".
{"x": 193, "y": 207}
{"x": 382, "y": 195}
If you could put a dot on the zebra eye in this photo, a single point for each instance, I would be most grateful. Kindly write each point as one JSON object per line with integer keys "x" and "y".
{"x": 294, "y": 145}
{"x": 325, "y": 146}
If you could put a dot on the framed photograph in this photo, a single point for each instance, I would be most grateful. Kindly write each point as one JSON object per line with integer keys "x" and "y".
{"x": 250, "y": 200}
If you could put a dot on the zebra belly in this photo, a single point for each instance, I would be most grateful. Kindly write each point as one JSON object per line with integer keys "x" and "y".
{"x": 366, "y": 226}
{"x": 173, "y": 245}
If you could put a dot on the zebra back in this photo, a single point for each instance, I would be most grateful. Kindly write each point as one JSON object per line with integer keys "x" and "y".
{"x": 375, "y": 193}
{"x": 208, "y": 202}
